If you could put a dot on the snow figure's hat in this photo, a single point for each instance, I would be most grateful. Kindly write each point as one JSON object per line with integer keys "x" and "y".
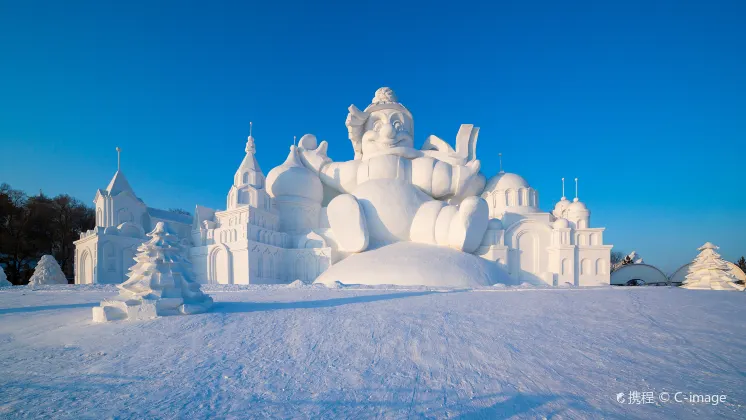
{"x": 385, "y": 98}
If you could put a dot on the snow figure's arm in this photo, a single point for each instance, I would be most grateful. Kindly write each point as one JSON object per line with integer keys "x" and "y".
{"x": 342, "y": 176}
{"x": 441, "y": 179}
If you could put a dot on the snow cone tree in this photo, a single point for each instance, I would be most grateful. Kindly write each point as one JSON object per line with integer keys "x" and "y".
{"x": 710, "y": 272}
{"x": 4, "y": 279}
{"x": 47, "y": 271}
{"x": 160, "y": 283}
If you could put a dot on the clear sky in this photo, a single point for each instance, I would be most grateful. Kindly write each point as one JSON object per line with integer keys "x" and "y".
{"x": 644, "y": 101}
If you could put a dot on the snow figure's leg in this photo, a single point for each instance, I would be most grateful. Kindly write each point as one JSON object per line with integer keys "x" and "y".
{"x": 468, "y": 224}
{"x": 423, "y": 225}
{"x": 347, "y": 220}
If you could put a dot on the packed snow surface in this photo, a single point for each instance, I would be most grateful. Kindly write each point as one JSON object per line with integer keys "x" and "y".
{"x": 376, "y": 352}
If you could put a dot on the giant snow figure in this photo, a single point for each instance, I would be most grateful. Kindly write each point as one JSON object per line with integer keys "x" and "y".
{"x": 392, "y": 192}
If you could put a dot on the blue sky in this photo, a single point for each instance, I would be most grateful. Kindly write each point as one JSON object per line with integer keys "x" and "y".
{"x": 644, "y": 101}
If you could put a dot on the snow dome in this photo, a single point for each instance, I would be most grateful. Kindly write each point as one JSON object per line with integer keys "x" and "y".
{"x": 292, "y": 179}
{"x": 561, "y": 224}
{"x": 508, "y": 191}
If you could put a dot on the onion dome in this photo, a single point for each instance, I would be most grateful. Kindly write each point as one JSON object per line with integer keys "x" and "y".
{"x": 292, "y": 179}
{"x": 495, "y": 224}
{"x": 561, "y": 224}
{"x": 561, "y": 207}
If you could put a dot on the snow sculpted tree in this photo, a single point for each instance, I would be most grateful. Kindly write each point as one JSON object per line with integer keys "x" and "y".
{"x": 47, "y": 272}
{"x": 710, "y": 272}
{"x": 3, "y": 279}
{"x": 160, "y": 283}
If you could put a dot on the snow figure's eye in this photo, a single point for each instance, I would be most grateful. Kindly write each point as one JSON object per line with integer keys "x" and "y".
{"x": 398, "y": 126}
{"x": 377, "y": 126}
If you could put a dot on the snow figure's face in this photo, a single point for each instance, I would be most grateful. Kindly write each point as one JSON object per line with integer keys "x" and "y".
{"x": 386, "y": 129}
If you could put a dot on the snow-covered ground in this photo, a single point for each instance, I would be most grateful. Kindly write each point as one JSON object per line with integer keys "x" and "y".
{"x": 302, "y": 352}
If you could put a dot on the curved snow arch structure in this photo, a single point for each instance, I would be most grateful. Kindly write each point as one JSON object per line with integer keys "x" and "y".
{"x": 679, "y": 275}
{"x": 647, "y": 273}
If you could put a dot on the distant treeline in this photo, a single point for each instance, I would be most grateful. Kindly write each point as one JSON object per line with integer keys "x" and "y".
{"x": 32, "y": 226}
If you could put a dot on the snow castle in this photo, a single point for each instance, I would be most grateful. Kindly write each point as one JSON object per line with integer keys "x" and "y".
{"x": 392, "y": 215}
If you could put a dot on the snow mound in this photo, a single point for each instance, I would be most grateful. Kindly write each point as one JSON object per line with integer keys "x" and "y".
{"x": 4, "y": 279}
{"x": 47, "y": 272}
{"x": 296, "y": 284}
{"x": 414, "y": 264}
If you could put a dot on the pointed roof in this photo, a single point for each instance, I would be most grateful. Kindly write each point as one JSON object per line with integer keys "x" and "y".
{"x": 708, "y": 245}
{"x": 119, "y": 184}
{"x": 249, "y": 162}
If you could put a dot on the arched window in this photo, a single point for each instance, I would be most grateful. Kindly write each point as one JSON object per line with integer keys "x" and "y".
{"x": 259, "y": 266}
{"x": 585, "y": 266}
{"x": 565, "y": 266}
{"x": 99, "y": 218}
{"x": 600, "y": 266}
{"x": 245, "y": 178}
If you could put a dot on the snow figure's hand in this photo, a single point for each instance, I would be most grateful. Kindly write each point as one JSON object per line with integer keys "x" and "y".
{"x": 313, "y": 157}
{"x": 355, "y": 123}
{"x": 464, "y": 175}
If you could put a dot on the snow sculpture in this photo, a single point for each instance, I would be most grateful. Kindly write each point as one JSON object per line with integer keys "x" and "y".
{"x": 632, "y": 258}
{"x": 47, "y": 272}
{"x": 710, "y": 272}
{"x": 392, "y": 192}
{"x": 4, "y": 279}
{"x": 160, "y": 283}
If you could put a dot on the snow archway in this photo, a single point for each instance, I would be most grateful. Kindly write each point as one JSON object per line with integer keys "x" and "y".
{"x": 644, "y": 272}
{"x": 86, "y": 268}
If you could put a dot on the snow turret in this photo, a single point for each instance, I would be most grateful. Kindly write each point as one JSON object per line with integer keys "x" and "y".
{"x": 47, "y": 271}
{"x": 248, "y": 181}
{"x": 577, "y": 212}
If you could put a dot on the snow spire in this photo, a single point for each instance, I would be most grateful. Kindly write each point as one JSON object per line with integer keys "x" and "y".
{"x": 500, "y": 155}
{"x": 563, "y": 189}
{"x": 576, "y": 190}
{"x": 119, "y": 160}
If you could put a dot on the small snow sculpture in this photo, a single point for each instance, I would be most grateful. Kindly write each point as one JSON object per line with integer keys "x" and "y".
{"x": 160, "y": 283}
{"x": 4, "y": 279}
{"x": 710, "y": 272}
{"x": 632, "y": 258}
{"x": 47, "y": 272}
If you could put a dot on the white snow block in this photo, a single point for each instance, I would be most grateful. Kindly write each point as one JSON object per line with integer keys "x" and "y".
{"x": 108, "y": 313}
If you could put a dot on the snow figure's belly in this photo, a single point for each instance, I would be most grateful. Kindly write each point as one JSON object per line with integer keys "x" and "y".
{"x": 389, "y": 206}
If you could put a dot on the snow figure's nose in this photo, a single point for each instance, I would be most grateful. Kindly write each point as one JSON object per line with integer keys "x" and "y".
{"x": 388, "y": 132}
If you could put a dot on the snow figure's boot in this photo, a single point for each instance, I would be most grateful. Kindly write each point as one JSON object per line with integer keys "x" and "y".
{"x": 460, "y": 227}
{"x": 347, "y": 221}
{"x": 423, "y": 228}
{"x": 469, "y": 224}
